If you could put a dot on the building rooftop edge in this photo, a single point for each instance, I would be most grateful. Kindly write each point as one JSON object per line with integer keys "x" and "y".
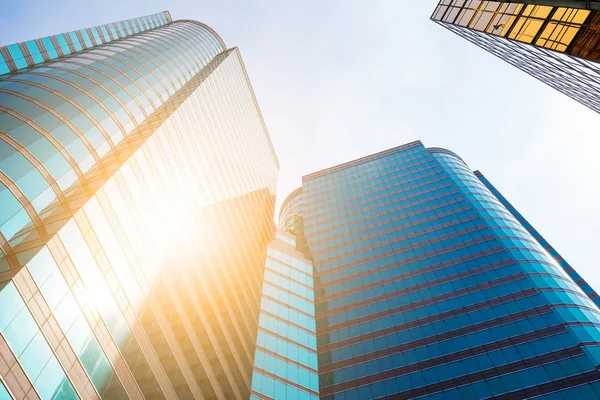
{"x": 262, "y": 119}
{"x": 446, "y": 151}
{"x": 289, "y": 197}
{"x": 361, "y": 160}
{"x": 208, "y": 28}
{"x": 22, "y": 55}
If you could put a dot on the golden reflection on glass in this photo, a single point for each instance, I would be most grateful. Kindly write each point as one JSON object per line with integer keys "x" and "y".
{"x": 545, "y": 26}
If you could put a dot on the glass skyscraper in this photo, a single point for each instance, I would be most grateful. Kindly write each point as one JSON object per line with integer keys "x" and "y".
{"x": 137, "y": 184}
{"x": 556, "y": 41}
{"x": 139, "y": 257}
{"x": 285, "y": 365}
{"x": 430, "y": 285}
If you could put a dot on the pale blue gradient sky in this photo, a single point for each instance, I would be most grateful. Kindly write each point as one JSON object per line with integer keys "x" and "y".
{"x": 337, "y": 80}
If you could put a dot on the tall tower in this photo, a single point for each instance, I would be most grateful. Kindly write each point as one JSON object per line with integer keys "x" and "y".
{"x": 556, "y": 41}
{"x": 137, "y": 184}
{"x": 429, "y": 284}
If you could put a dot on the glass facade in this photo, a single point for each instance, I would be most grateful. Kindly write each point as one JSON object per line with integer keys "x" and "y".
{"x": 285, "y": 363}
{"x": 22, "y": 55}
{"x": 137, "y": 184}
{"x": 556, "y": 41}
{"x": 428, "y": 284}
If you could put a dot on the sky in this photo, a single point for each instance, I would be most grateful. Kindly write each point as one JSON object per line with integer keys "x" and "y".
{"x": 338, "y": 80}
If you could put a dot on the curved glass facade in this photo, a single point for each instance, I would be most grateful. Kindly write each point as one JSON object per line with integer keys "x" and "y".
{"x": 428, "y": 286}
{"x": 65, "y": 124}
{"x": 137, "y": 184}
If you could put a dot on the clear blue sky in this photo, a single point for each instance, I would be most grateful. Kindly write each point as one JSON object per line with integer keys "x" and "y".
{"x": 337, "y": 80}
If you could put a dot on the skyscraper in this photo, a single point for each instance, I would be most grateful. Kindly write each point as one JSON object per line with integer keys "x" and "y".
{"x": 285, "y": 365}
{"x": 556, "y": 41}
{"x": 137, "y": 184}
{"x": 429, "y": 284}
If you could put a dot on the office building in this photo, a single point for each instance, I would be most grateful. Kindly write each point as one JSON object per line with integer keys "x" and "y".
{"x": 137, "y": 184}
{"x": 429, "y": 284}
{"x": 285, "y": 365}
{"x": 555, "y": 41}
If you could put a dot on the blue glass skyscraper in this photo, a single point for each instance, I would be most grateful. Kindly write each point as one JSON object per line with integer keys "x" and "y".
{"x": 428, "y": 284}
{"x": 285, "y": 362}
{"x": 137, "y": 191}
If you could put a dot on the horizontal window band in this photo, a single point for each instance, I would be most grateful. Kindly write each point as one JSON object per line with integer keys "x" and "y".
{"x": 550, "y": 387}
{"x": 434, "y": 267}
{"x": 308, "y": 216}
{"x": 430, "y": 319}
{"x": 260, "y": 395}
{"x": 72, "y": 163}
{"x": 286, "y": 339}
{"x": 391, "y": 177}
{"x": 471, "y": 352}
{"x": 478, "y": 228}
{"x": 286, "y": 321}
{"x": 362, "y": 160}
{"x": 498, "y": 371}
{"x": 290, "y": 266}
{"x": 438, "y": 317}
{"x": 430, "y": 300}
{"x": 396, "y": 228}
{"x": 288, "y": 306}
{"x": 438, "y": 216}
{"x": 62, "y": 119}
{"x": 284, "y": 276}
{"x": 482, "y": 239}
{"x": 279, "y": 378}
{"x": 288, "y": 360}
{"x": 38, "y": 165}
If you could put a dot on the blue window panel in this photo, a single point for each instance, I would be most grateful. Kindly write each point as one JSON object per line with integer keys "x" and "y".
{"x": 52, "y": 382}
{"x": 86, "y": 38}
{"x": 50, "y": 50}
{"x": 285, "y": 370}
{"x": 52, "y": 285}
{"x": 99, "y": 369}
{"x": 293, "y": 333}
{"x": 277, "y": 389}
{"x": 27, "y": 342}
{"x": 24, "y": 174}
{"x": 96, "y": 35}
{"x": 292, "y": 272}
{"x": 287, "y": 349}
{"x": 287, "y": 284}
{"x": 122, "y": 31}
{"x": 3, "y": 66}
{"x": 62, "y": 42}
{"x": 127, "y": 26}
{"x": 37, "y": 350}
{"x": 10, "y": 204}
{"x": 294, "y": 262}
{"x": 4, "y": 395}
{"x": 105, "y": 33}
{"x": 17, "y": 222}
{"x": 17, "y": 55}
{"x": 133, "y": 25}
{"x": 113, "y": 30}
{"x": 288, "y": 298}
{"x": 34, "y": 51}
{"x": 288, "y": 314}
{"x": 75, "y": 41}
